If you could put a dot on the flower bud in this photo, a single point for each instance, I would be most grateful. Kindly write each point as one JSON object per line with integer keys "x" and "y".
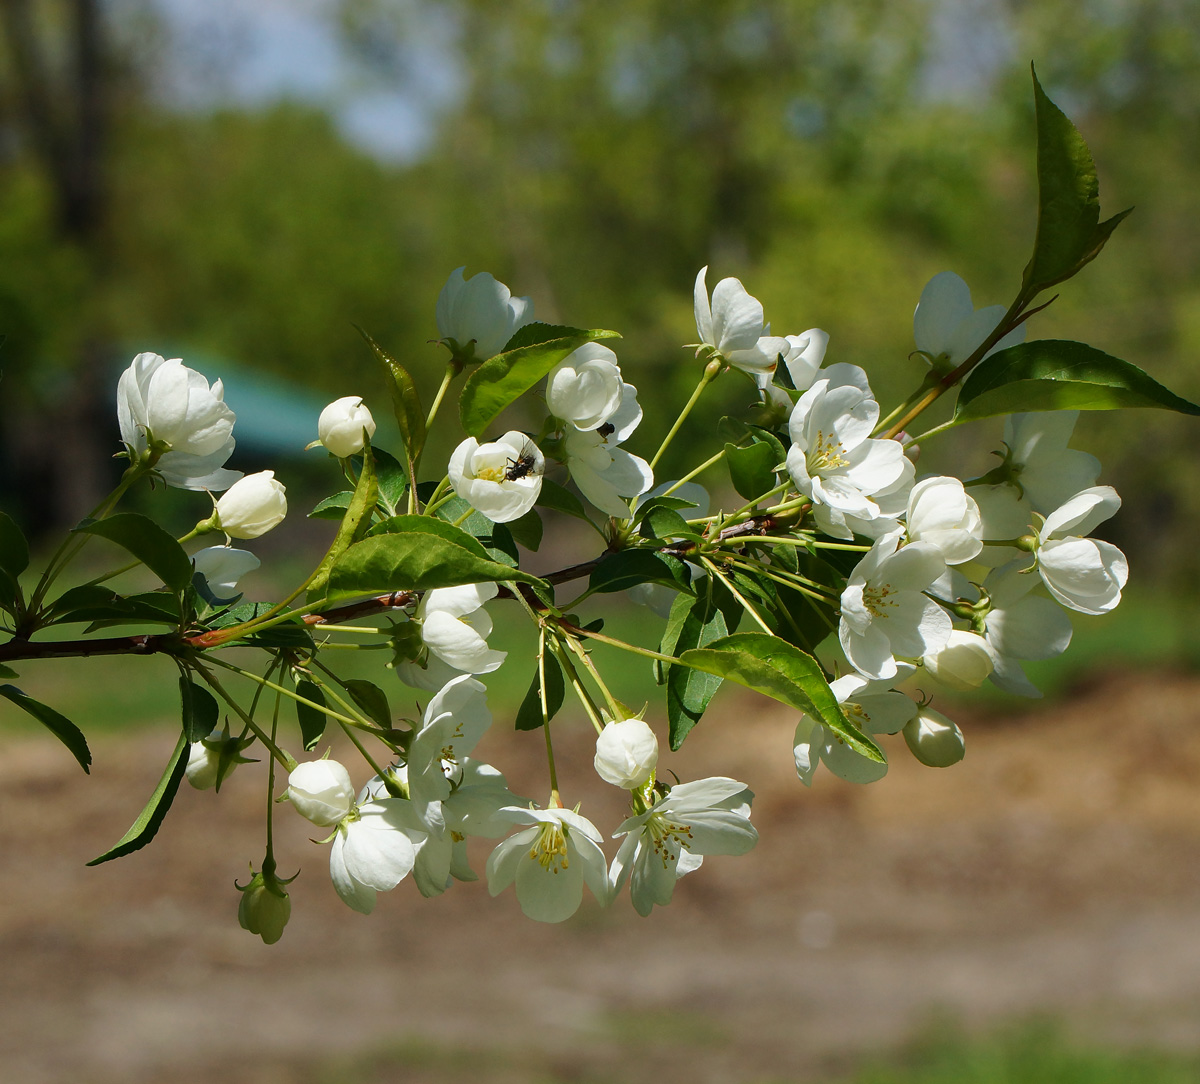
{"x": 204, "y": 762}
{"x": 321, "y": 791}
{"x": 585, "y": 388}
{"x": 265, "y": 908}
{"x": 934, "y": 739}
{"x": 626, "y": 753}
{"x": 963, "y": 663}
{"x": 253, "y": 506}
{"x": 341, "y": 424}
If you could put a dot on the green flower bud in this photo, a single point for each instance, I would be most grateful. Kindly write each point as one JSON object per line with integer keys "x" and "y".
{"x": 265, "y": 908}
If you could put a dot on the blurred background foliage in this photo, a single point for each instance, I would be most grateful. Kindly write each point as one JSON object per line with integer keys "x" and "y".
{"x": 593, "y": 156}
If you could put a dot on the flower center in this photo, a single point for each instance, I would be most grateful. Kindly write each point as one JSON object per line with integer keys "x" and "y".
{"x": 826, "y": 454}
{"x": 877, "y": 599}
{"x": 549, "y": 850}
{"x": 666, "y": 837}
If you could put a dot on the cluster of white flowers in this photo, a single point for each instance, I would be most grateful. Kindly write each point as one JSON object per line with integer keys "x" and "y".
{"x": 961, "y": 581}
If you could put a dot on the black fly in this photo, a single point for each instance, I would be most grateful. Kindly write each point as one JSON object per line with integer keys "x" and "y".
{"x": 523, "y": 465}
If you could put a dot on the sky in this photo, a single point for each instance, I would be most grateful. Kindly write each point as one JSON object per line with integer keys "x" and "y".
{"x": 254, "y": 52}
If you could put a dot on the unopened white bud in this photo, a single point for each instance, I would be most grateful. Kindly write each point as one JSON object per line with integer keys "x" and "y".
{"x": 626, "y": 753}
{"x": 585, "y": 388}
{"x": 321, "y": 791}
{"x": 965, "y": 662}
{"x": 253, "y": 506}
{"x": 204, "y": 762}
{"x": 341, "y": 424}
{"x": 934, "y": 739}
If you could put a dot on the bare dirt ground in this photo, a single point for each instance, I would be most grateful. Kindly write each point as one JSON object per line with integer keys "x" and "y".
{"x": 1056, "y": 870}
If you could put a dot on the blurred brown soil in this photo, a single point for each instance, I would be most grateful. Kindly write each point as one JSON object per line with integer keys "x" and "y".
{"x": 1056, "y": 870}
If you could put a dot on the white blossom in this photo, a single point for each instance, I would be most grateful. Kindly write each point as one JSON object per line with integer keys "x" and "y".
{"x": 626, "y": 753}
{"x": 884, "y": 610}
{"x": 933, "y": 739}
{"x": 585, "y": 388}
{"x": 321, "y": 791}
{"x": 1084, "y": 574}
{"x": 874, "y": 707}
{"x": 833, "y": 459}
{"x": 550, "y": 861}
{"x": 708, "y": 816}
{"x": 374, "y": 849}
{"x": 942, "y": 513}
{"x": 947, "y": 327}
{"x": 804, "y": 356}
{"x": 1038, "y": 462}
{"x": 1021, "y": 623}
{"x": 252, "y": 506}
{"x": 605, "y": 473}
{"x": 481, "y": 311}
{"x": 222, "y": 567}
{"x": 167, "y": 402}
{"x": 501, "y": 479}
{"x": 454, "y": 628}
{"x": 454, "y": 721}
{"x": 341, "y": 424}
{"x": 733, "y": 325}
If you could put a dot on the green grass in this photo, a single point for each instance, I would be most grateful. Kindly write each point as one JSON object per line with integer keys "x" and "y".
{"x": 1037, "y": 1053}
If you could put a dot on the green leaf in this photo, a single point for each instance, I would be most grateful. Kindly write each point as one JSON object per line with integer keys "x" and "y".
{"x": 506, "y": 377}
{"x": 560, "y": 499}
{"x": 144, "y": 829}
{"x": 372, "y": 699}
{"x": 14, "y": 550}
{"x": 58, "y": 725}
{"x": 658, "y": 519}
{"x": 752, "y": 469}
{"x": 333, "y": 507}
{"x": 201, "y": 711}
{"x": 148, "y": 542}
{"x": 406, "y": 403}
{"x": 355, "y": 523}
{"x": 294, "y": 634}
{"x": 529, "y": 714}
{"x": 776, "y": 669}
{"x": 526, "y": 530}
{"x": 689, "y": 691}
{"x": 628, "y": 568}
{"x": 1056, "y": 374}
{"x": 8, "y": 672}
{"x": 734, "y": 431}
{"x": 156, "y": 607}
{"x": 537, "y": 333}
{"x": 312, "y": 722}
{"x": 393, "y": 481}
{"x": 1069, "y": 230}
{"x": 428, "y": 553}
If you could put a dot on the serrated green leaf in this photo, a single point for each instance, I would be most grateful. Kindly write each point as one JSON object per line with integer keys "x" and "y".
{"x": 628, "y": 568}
{"x": 201, "y": 712}
{"x": 312, "y": 722}
{"x": 406, "y": 403}
{"x": 664, "y": 524}
{"x": 529, "y": 714}
{"x": 373, "y": 701}
{"x": 776, "y": 669}
{"x": 148, "y": 542}
{"x": 428, "y": 554}
{"x": 752, "y": 469}
{"x": 1069, "y": 230}
{"x": 355, "y": 523}
{"x": 58, "y": 725}
{"x": 333, "y": 507}
{"x": 155, "y": 607}
{"x": 393, "y": 481}
{"x": 1056, "y": 374}
{"x": 506, "y": 377}
{"x": 146, "y": 826}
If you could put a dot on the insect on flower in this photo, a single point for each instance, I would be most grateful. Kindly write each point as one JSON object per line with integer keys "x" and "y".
{"x": 524, "y": 464}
